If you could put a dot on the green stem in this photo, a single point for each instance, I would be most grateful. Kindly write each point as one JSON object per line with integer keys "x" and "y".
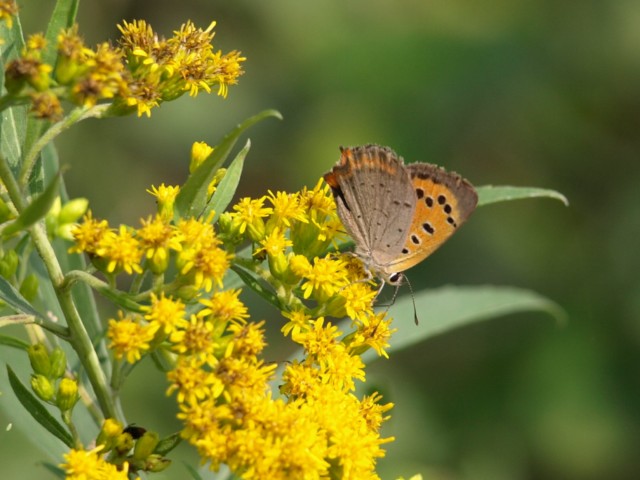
{"x": 9, "y": 181}
{"x": 80, "y": 339}
{"x": 66, "y": 418}
{"x": 78, "y": 336}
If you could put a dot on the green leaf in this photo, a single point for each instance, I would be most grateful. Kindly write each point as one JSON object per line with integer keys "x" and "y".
{"x": 491, "y": 194}
{"x": 192, "y": 199}
{"x": 37, "y": 410}
{"x": 450, "y": 307}
{"x": 63, "y": 16}
{"x": 12, "y": 298}
{"x": 12, "y": 120}
{"x": 37, "y": 209}
{"x": 228, "y": 185}
{"x": 254, "y": 283}
{"x": 13, "y": 342}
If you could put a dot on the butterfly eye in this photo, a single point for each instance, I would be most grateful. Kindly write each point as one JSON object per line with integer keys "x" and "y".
{"x": 395, "y": 278}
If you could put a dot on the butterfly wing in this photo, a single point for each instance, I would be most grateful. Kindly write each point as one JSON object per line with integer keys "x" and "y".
{"x": 444, "y": 201}
{"x": 375, "y": 201}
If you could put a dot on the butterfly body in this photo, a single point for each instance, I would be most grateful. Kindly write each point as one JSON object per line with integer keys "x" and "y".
{"x": 397, "y": 214}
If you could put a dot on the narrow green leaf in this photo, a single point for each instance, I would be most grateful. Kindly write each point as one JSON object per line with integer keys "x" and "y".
{"x": 12, "y": 120}
{"x": 37, "y": 410}
{"x": 9, "y": 341}
{"x": 449, "y": 307}
{"x": 491, "y": 194}
{"x": 192, "y": 198}
{"x": 255, "y": 285}
{"x": 37, "y": 209}
{"x": 63, "y": 16}
{"x": 12, "y": 298}
{"x": 227, "y": 187}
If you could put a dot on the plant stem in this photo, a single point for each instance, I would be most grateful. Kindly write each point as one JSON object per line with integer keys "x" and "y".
{"x": 78, "y": 336}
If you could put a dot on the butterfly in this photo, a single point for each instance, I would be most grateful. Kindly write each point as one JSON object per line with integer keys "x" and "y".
{"x": 397, "y": 214}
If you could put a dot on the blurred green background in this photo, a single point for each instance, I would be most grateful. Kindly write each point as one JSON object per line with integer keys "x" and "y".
{"x": 532, "y": 93}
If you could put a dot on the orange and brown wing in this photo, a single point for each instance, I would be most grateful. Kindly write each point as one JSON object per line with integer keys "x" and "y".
{"x": 444, "y": 201}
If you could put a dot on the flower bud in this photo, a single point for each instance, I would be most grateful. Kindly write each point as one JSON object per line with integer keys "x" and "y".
{"x": 256, "y": 230}
{"x": 29, "y": 287}
{"x": 159, "y": 261}
{"x": 111, "y": 429}
{"x": 278, "y": 265}
{"x": 73, "y": 210}
{"x": 187, "y": 293}
{"x": 156, "y": 463}
{"x": 200, "y": 151}
{"x": 9, "y": 264}
{"x": 42, "y": 387}
{"x": 67, "y": 394}
{"x": 58, "y": 363}
{"x": 39, "y": 359}
{"x": 5, "y": 213}
{"x": 66, "y": 70}
{"x": 64, "y": 231}
{"x": 145, "y": 445}
{"x": 123, "y": 443}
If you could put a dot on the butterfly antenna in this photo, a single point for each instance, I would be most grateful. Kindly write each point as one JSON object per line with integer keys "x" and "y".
{"x": 413, "y": 300}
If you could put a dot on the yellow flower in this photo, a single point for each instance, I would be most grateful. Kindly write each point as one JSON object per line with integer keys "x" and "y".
{"x": 250, "y": 212}
{"x": 129, "y": 338}
{"x": 299, "y": 379}
{"x": 196, "y": 339}
{"x": 157, "y": 238}
{"x": 46, "y": 105}
{"x": 248, "y": 340}
{"x": 373, "y": 411}
{"x": 287, "y": 207}
{"x": 341, "y": 368}
{"x": 376, "y": 332}
{"x": 166, "y": 197}
{"x": 89, "y": 465}
{"x": 88, "y": 234}
{"x": 274, "y": 243}
{"x": 327, "y": 277}
{"x": 192, "y": 382}
{"x": 320, "y": 340}
{"x": 201, "y": 259}
{"x": 319, "y": 201}
{"x": 121, "y": 250}
{"x": 358, "y": 300}
{"x": 224, "y": 306}
{"x": 299, "y": 321}
{"x": 200, "y": 151}
{"x": 166, "y": 312}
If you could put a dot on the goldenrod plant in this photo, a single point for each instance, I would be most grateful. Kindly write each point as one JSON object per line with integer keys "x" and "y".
{"x": 175, "y": 279}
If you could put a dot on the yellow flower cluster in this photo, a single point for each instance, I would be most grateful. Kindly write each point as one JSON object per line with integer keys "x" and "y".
{"x": 198, "y": 257}
{"x": 303, "y": 420}
{"x": 143, "y": 71}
